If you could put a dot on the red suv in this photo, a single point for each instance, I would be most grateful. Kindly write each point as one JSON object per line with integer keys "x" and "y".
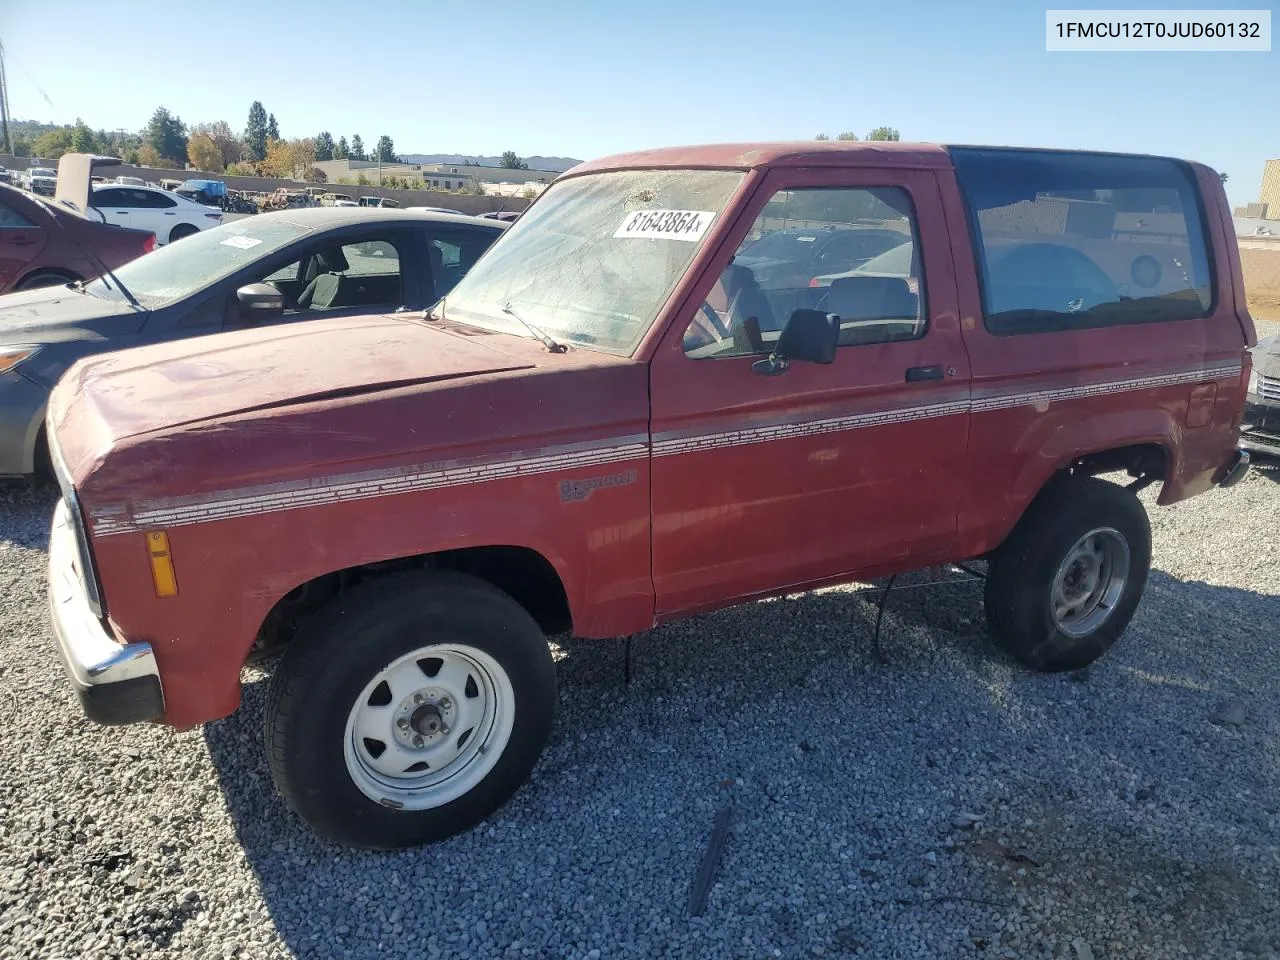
{"x": 611, "y": 423}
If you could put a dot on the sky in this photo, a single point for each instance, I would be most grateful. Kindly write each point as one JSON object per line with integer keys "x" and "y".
{"x": 586, "y": 79}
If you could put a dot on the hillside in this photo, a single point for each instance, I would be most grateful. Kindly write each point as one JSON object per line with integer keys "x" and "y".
{"x": 556, "y": 164}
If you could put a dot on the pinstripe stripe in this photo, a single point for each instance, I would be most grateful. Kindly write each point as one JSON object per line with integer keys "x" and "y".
{"x": 272, "y": 498}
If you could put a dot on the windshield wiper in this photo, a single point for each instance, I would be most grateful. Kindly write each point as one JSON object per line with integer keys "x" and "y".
{"x": 550, "y": 344}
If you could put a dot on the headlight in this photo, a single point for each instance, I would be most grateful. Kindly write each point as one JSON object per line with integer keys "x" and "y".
{"x": 1253, "y": 380}
{"x": 10, "y": 357}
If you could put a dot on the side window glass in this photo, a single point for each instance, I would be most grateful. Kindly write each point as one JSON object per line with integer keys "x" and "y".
{"x": 10, "y": 217}
{"x": 160, "y": 200}
{"x": 287, "y": 272}
{"x": 108, "y": 199}
{"x": 1073, "y": 240}
{"x": 453, "y": 255}
{"x": 850, "y": 251}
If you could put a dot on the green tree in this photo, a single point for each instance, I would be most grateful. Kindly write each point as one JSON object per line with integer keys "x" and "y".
{"x": 386, "y": 149}
{"x": 230, "y": 147}
{"x": 52, "y": 144}
{"x": 822, "y": 136}
{"x": 255, "y": 133}
{"x": 883, "y": 133}
{"x": 324, "y": 146}
{"x": 357, "y": 148}
{"x": 21, "y": 147}
{"x": 511, "y": 162}
{"x": 340, "y": 149}
{"x": 167, "y": 135}
{"x": 362, "y": 181}
{"x": 1222, "y": 177}
{"x": 847, "y": 135}
{"x": 273, "y": 129}
{"x": 82, "y": 139}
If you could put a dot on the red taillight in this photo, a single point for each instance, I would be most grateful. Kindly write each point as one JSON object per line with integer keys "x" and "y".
{"x": 814, "y": 282}
{"x": 149, "y": 244}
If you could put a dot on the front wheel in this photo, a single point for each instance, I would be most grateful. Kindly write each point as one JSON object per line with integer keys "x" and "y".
{"x": 180, "y": 231}
{"x": 410, "y": 709}
{"x": 1063, "y": 587}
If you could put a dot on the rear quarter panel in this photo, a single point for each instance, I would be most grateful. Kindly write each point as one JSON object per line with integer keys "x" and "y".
{"x": 1041, "y": 400}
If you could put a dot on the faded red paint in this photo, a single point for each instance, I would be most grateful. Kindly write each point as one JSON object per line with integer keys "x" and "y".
{"x": 675, "y": 530}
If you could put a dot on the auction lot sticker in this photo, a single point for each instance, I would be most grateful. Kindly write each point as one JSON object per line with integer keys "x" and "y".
{"x": 241, "y": 243}
{"x": 687, "y": 225}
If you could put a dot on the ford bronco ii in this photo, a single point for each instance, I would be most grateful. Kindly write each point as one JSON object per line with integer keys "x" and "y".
{"x": 684, "y": 379}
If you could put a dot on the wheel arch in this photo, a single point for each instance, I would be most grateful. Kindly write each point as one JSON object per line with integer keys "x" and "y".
{"x": 69, "y": 276}
{"x": 523, "y": 573}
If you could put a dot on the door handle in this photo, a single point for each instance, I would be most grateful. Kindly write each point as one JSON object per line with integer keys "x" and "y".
{"x": 924, "y": 373}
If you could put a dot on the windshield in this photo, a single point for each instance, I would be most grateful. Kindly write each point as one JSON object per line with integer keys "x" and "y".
{"x": 43, "y": 172}
{"x": 595, "y": 258}
{"x": 178, "y": 270}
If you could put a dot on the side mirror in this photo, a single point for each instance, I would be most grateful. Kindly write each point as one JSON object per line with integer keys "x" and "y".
{"x": 260, "y": 301}
{"x": 810, "y": 336}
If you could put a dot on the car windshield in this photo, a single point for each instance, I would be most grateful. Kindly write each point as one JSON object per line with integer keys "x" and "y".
{"x": 178, "y": 270}
{"x": 595, "y": 258}
{"x": 43, "y": 172}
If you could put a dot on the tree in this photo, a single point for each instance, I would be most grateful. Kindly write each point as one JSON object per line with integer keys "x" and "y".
{"x": 511, "y": 162}
{"x": 386, "y": 149}
{"x": 316, "y": 175}
{"x": 239, "y": 169}
{"x": 21, "y": 147}
{"x": 273, "y": 128}
{"x": 324, "y": 146}
{"x": 255, "y": 133}
{"x": 149, "y": 156}
{"x": 82, "y": 139}
{"x": 847, "y": 135}
{"x": 167, "y": 135}
{"x": 52, "y": 144}
{"x": 289, "y": 158}
{"x": 230, "y": 147}
{"x": 1222, "y": 177}
{"x": 204, "y": 153}
{"x": 883, "y": 133}
{"x": 822, "y": 136}
{"x": 340, "y": 150}
{"x": 357, "y": 148}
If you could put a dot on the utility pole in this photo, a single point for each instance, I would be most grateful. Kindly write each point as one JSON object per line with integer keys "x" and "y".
{"x": 4, "y": 107}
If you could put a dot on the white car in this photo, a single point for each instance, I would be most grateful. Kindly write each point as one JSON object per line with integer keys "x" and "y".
{"x": 167, "y": 215}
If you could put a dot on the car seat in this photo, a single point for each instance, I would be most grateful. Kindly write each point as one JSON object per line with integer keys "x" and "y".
{"x": 880, "y": 308}
{"x": 326, "y": 289}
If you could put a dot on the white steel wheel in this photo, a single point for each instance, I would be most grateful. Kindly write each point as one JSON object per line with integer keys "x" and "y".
{"x": 429, "y": 727}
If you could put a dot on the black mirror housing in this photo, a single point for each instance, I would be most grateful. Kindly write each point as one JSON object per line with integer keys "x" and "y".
{"x": 810, "y": 336}
{"x": 259, "y": 301}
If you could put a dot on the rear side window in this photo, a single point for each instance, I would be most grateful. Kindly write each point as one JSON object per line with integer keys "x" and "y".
{"x": 1076, "y": 240}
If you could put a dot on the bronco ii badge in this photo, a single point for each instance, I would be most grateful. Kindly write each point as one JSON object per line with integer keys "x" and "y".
{"x": 573, "y": 491}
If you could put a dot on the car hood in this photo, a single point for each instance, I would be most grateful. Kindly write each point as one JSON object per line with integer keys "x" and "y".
{"x": 1266, "y": 357}
{"x": 169, "y": 385}
{"x": 58, "y": 314}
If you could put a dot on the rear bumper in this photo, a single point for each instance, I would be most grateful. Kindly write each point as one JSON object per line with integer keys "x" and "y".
{"x": 1237, "y": 468}
{"x": 116, "y": 683}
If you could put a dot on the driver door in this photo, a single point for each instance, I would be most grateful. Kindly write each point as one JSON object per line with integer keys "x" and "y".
{"x": 761, "y": 483}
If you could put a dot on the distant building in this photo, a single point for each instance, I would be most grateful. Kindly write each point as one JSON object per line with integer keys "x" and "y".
{"x": 336, "y": 171}
{"x": 1269, "y": 195}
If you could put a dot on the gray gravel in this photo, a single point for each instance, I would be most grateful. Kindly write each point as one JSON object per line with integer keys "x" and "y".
{"x": 946, "y": 804}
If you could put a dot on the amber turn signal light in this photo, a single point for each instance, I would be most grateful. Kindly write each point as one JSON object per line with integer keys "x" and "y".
{"x": 162, "y": 575}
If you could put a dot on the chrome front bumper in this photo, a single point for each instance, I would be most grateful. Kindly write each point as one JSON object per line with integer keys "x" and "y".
{"x": 117, "y": 683}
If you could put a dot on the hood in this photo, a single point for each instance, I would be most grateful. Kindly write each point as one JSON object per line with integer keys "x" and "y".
{"x": 204, "y": 378}
{"x": 57, "y": 314}
{"x": 1266, "y": 357}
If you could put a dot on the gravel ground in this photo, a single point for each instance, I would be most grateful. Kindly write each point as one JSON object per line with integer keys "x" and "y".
{"x": 944, "y": 804}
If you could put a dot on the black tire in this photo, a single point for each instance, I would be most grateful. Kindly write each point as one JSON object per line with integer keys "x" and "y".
{"x": 1022, "y": 572}
{"x": 180, "y": 231}
{"x": 45, "y": 278}
{"x": 327, "y": 666}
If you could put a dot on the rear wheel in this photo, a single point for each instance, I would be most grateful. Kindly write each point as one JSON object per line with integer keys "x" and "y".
{"x": 410, "y": 709}
{"x": 180, "y": 231}
{"x": 1063, "y": 587}
{"x": 46, "y": 278}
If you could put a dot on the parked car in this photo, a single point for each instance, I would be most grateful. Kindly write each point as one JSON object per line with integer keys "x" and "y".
{"x": 211, "y": 193}
{"x": 592, "y": 433}
{"x": 378, "y": 202}
{"x": 42, "y": 180}
{"x": 167, "y": 215}
{"x": 6, "y": 176}
{"x": 1260, "y": 427}
{"x": 43, "y": 245}
{"x": 271, "y": 269}
{"x": 509, "y": 216}
{"x": 456, "y": 213}
{"x": 334, "y": 199}
{"x": 130, "y": 181}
